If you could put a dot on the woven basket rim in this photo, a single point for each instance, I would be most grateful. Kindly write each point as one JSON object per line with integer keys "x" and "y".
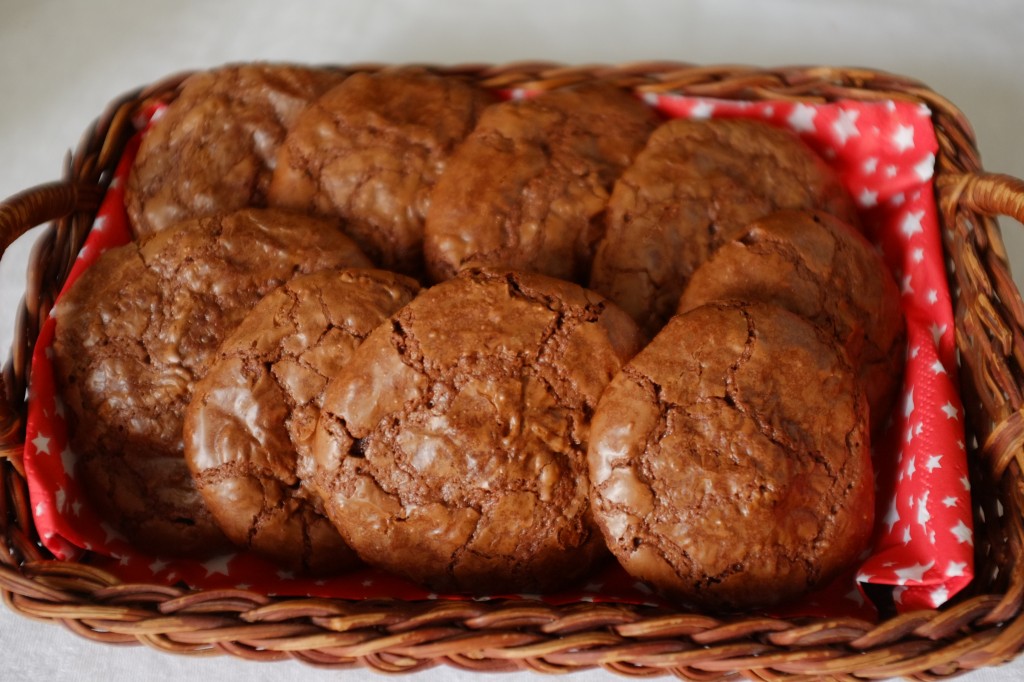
{"x": 982, "y": 628}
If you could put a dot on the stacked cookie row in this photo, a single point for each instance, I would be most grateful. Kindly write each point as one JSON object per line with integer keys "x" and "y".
{"x": 241, "y": 372}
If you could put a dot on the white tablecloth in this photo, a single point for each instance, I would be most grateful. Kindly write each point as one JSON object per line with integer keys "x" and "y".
{"x": 62, "y": 62}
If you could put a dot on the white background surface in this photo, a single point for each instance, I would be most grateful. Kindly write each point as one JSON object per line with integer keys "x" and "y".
{"x": 61, "y": 63}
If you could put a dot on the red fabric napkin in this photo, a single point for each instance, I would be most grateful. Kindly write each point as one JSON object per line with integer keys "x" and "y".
{"x": 885, "y": 153}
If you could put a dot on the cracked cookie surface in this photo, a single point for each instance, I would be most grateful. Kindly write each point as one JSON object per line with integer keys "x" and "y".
{"x": 250, "y": 423}
{"x": 816, "y": 266}
{"x": 214, "y": 147}
{"x": 370, "y": 151}
{"x": 528, "y": 187}
{"x": 135, "y": 333}
{"x": 451, "y": 449}
{"x": 694, "y": 185}
{"x": 716, "y": 474}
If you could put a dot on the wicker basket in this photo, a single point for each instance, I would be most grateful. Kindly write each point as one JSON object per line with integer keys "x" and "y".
{"x": 981, "y": 627}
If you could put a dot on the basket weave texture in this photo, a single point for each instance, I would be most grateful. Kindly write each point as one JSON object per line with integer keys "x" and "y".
{"x": 983, "y": 626}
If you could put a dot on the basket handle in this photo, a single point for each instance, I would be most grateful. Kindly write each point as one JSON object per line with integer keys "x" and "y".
{"x": 993, "y": 194}
{"x": 19, "y": 214}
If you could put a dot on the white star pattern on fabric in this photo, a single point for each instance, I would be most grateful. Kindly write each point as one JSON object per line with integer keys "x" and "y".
{"x": 897, "y": 199}
{"x": 938, "y": 331}
{"x": 890, "y": 171}
{"x": 870, "y": 165}
{"x": 61, "y": 498}
{"x": 702, "y": 110}
{"x": 965, "y": 483}
{"x": 897, "y": 594}
{"x": 937, "y": 367}
{"x": 41, "y": 443}
{"x": 801, "y": 119}
{"x": 67, "y": 461}
{"x": 923, "y": 517}
{"x": 911, "y": 223}
{"x": 76, "y": 507}
{"x": 908, "y": 402}
{"x": 951, "y": 412}
{"x": 651, "y": 98}
{"x": 905, "y": 285}
{"x": 40, "y": 509}
{"x": 906, "y": 535}
{"x": 642, "y": 587}
{"x": 845, "y": 126}
{"x": 84, "y": 252}
{"x": 157, "y": 565}
{"x": 111, "y": 533}
{"x": 911, "y": 468}
{"x": 893, "y": 516}
{"x": 855, "y": 596}
{"x": 903, "y": 138}
{"x": 867, "y": 198}
{"x": 923, "y": 110}
{"x": 116, "y": 182}
{"x": 917, "y": 255}
{"x": 768, "y": 112}
{"x": 100, "y": 223}
{"x": 949, "y": 501}
{"x": 939, "y": 595}
{"x": 933, "y": 463}
{"x": 913, "y": 573}
{"x": 913, "y": 353}
{"x": 962, "y": 533}
{"x": 218, "y": 564}
{"x": 926, "y": 168}
{"x": 955, "y": 569}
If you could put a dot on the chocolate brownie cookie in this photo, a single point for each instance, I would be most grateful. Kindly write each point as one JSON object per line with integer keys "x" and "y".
{"x": 692, "y": 188}
{"x": 370, "y": 151}
{"x": 527, "y": 189}
{"x": 140, "y": 327}
{"x": 250, "y": 423}
{"x": 214, "y": 147}
{"x": 451, "y": 449}
{"x": 717, "y": 474}
{"x": 816, "y": 266}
